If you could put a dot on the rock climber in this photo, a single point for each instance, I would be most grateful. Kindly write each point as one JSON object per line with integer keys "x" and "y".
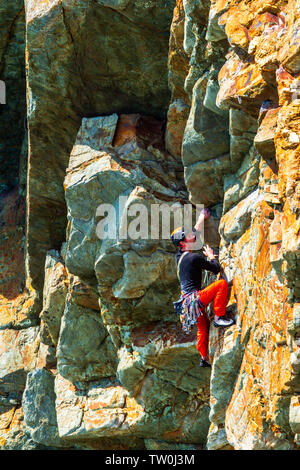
{"x": 194, "y": 299}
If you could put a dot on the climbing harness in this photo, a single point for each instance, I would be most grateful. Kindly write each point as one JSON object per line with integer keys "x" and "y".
{"x": 192, "y": 308}
{"x": 189, "y": 306}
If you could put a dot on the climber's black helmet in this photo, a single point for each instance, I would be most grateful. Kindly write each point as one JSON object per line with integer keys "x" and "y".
{"x": 178, "y": 235}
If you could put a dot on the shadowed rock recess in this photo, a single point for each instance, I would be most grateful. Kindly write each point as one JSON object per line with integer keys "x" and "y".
{"x": 152, "y": 102}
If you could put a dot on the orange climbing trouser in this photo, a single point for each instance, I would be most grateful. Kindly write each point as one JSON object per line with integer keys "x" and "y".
{"x": 216, "y": 292}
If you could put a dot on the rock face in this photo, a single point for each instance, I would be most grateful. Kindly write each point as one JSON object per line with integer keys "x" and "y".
{"x": 109, "y": 57}
{"x": 13, "y": 158}
{"x": 134, "y": 107}
{"x": 12, "y": 90}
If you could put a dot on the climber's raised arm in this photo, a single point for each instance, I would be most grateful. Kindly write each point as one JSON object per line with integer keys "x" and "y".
{"x": 204, "y": 214}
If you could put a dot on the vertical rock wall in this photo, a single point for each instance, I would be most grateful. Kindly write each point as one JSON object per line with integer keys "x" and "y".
{"x": 252, "y": 168}
{"x": 159, "y": 103}
{"x": 12, "y": 73}
{"x": 85, "y": 58}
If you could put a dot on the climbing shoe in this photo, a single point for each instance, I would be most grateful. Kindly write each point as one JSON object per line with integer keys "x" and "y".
{"x": 223, "y": 322}
{"x": 203, "y": 363}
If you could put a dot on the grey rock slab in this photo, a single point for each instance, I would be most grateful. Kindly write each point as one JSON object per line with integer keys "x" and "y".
{"x": 39, "y": 408}
{"x": 294, "y": 415}
{"x": 240, "y": 216}
{"x": 224, "y": 374}
{"x": 239, "y": 184}
{"x": 214, "y": 32}
{"x": 85, "y": 351}
{"x": 54, "y": 296}
{"x": 206, "y": 134}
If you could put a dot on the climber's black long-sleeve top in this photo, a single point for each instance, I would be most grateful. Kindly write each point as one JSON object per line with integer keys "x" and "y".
{"x": 190, "y": 270}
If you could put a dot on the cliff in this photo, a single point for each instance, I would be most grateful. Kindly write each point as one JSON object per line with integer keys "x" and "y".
{"x": 152, "y": 103}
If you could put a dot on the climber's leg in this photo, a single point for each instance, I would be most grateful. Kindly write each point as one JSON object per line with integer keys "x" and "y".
{"x": 202, "y": 336}
{"x": 216, "y": 292}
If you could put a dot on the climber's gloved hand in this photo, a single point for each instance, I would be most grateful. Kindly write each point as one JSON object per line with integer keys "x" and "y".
{"x": 205, "y": 213}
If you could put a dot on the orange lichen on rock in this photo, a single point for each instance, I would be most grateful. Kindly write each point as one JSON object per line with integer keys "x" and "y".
{"x": 237, "y": 33}
{"x": 261, "y": 22}
{"x": 290, "y": 50}
{"x": 287, "y": 141}
{"x": 264, "y": 312}
{"x": 242, "y": 85}
{"x": 288, "y": 86}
